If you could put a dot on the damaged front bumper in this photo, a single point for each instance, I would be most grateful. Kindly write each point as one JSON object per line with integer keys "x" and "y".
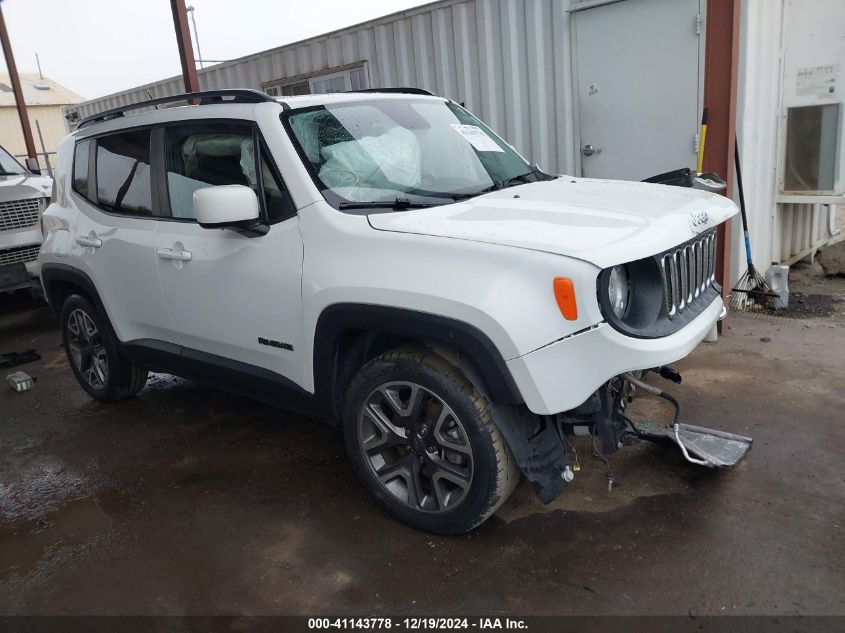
{"x": 563, "y": 374}
{"x": 545, "y": 455}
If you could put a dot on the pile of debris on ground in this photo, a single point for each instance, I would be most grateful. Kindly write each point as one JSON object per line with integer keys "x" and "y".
{"x": 832, "y": 259}
{"x": 818, "y": 289}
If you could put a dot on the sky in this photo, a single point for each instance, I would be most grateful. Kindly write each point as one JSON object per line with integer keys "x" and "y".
{"x": 97, "y": 47}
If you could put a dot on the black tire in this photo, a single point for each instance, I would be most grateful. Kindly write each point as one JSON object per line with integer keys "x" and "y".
{"x": 493, "y": 472}
{"x": 120, "y": 378}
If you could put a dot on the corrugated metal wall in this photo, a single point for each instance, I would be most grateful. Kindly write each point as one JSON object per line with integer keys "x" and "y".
{"x": 507, "y": 60}
{"x": 803, "y": 229}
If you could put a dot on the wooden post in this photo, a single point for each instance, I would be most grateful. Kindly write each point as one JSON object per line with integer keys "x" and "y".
{"x": 44, "y": 149}
{"x": 721, "y": 70}
{"x": 16, "y": 88}
{"x": 183, "y": 41}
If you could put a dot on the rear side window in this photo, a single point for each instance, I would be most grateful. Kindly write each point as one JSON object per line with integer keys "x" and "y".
{"x": 80, "y": 167}
{"x": 123, "y": 173}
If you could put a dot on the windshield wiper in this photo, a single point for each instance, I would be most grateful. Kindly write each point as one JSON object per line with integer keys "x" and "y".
{"x": 399, "y": 204}
{"x": 535, "y": 175}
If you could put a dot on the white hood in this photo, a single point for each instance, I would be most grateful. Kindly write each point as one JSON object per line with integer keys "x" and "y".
{"x": 605, "y": 222}
{"x": 23, "y": 186}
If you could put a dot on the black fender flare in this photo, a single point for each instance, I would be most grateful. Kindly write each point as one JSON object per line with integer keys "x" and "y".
{"x": 468, "y": 340}
{"x": 55, "y": 273}
{"x": 533, "y": 439}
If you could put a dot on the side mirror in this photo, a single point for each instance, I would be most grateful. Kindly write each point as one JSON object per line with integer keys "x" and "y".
{"x": 709, "y": 181}
{"x": 229, "y": 206}
{"x": 31, "y": 165}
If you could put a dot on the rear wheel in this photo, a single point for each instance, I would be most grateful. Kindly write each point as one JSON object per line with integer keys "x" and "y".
{"x": 422, "y": 439}
{"x": 91, "y": 348}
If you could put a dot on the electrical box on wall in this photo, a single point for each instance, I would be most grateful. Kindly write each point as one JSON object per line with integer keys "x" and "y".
{"x": 812, "y": 134}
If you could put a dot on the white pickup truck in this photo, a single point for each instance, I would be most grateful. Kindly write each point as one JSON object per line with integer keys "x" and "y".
{"x": 24, "y": 195}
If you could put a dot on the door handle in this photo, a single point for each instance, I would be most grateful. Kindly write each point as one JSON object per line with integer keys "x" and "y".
{"x": 589, "y": 150}
{"x": 169, "y": 253}
{"x": 93, "y": 242}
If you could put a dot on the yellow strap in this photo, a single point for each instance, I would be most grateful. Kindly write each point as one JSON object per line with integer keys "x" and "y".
{"x": 699, "y": 166}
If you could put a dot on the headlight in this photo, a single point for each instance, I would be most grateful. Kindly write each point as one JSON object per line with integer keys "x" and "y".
{"x": 632, "y": 299}
{"x": 618, "y": 290}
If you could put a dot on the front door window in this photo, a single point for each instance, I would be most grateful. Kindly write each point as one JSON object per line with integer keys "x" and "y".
{"x": 209, "y": 155}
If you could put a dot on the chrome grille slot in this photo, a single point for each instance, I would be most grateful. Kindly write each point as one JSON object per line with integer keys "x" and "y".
{"x": 712, "y": 258}
{"x": 19, "y": 214}
{"x": 687, "y": 272}
{"x": 689, "y": 258}
{"x": 670, "y": 282}
{"x": 689, "y": 262}
{"x": 699, "y": 268}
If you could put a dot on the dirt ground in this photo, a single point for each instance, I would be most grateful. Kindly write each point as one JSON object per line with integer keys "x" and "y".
{"x": 186, "y": 500}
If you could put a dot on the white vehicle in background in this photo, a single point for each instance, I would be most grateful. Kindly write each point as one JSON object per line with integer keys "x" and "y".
{"x": 386, "y": 262}
{"x": 24, "y": 194}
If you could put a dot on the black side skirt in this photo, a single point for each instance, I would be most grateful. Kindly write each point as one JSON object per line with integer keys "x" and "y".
{"x": 222, "y": 373}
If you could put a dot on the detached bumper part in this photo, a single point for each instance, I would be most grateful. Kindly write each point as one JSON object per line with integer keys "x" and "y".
{"x": 541, "y": 449}
{"x": 701, "y": 446}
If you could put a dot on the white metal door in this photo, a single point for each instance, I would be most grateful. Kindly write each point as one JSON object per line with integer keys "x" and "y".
{"x": 638, "y": 83}
{"x": 237, "y": 297}
{"x": 118, "y": 254}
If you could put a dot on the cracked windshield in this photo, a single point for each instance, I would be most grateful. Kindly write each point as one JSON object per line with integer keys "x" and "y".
{"x": 418, "y": 153}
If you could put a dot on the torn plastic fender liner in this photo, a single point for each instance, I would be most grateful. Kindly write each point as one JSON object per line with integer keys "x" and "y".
{"x": 533, "y": 440}
{"x": 535, "y": 443}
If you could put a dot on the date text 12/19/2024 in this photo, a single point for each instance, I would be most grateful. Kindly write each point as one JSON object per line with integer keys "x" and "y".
{"x": 416, "y": 624}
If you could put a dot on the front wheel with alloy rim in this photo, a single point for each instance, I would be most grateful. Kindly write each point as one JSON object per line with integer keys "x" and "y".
{"x": 93, "y": 353}
{"x": 422, "y": 439}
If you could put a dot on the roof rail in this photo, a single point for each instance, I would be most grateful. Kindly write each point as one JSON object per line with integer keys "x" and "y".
{"x": 406, "y": 91}
{"x": 204, "y": 97}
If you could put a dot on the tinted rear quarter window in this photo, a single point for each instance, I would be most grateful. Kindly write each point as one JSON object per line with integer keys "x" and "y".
{"x": 123, "y": 172}
{"x": 80, "y": 167}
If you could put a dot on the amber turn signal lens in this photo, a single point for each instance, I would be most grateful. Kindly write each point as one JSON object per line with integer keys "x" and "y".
{"x": 565, "y": 297}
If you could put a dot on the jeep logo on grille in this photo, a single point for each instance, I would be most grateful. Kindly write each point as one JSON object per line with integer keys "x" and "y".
{"x": 698, "y": 220}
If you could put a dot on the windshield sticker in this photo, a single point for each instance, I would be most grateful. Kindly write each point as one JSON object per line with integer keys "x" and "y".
{"x": 477, "y": 137}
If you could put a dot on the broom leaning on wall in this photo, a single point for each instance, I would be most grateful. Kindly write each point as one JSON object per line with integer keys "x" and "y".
{"x": 751, "y": 293}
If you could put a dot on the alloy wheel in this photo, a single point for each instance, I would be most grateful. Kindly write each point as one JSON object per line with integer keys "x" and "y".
{"x": 416, "y": 446}
{"x": 85, "y": 345}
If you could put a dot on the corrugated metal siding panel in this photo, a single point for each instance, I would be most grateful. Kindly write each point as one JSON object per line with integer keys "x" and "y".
{"x": 803, "y": 228}
{"x": 507, "y": 60}
{"x": 467, "y": 54}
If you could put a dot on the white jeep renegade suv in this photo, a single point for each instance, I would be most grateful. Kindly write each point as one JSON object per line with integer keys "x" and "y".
{"x": 385, "y": 261}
